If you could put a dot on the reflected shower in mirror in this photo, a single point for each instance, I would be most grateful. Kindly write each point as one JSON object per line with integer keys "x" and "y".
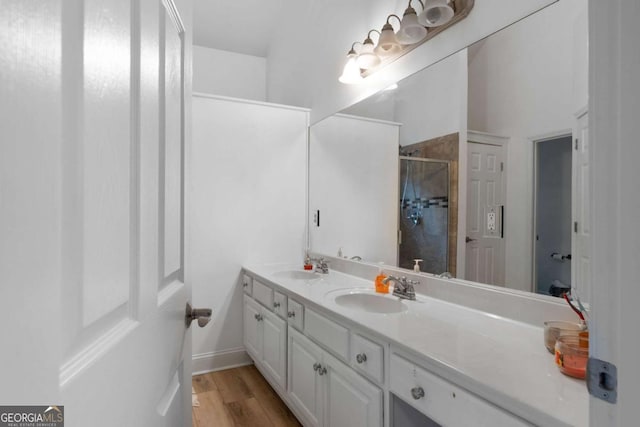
{"x": 497, "y": 114}
{"x": 424, "y": 213}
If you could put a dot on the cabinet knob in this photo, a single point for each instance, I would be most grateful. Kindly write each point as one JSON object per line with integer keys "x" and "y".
{"x": 322, "y": 370}
{"x": 258, "y": 317}
{"x": 417, "y": 392}
{"x": 291, "y": 314}
{"x": 245, "y": 284}
{"x": 316, "y": 366}
{"x": 276, "y": 304}
{"x": 361, "y": 357}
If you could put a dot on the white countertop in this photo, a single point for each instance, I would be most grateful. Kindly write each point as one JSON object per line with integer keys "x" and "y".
{"x": 501, "y": 360}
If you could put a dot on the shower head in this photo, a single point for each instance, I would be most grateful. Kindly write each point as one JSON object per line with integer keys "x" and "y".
{"x": 405, "y": 152}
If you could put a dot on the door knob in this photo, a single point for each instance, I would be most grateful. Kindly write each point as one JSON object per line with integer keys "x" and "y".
{"x": 417, "y": 392}
{"x": 202, "y": 314}
{"x": 469, "y": 239}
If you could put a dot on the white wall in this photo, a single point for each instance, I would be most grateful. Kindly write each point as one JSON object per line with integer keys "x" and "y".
{"x": 432, "y": 102}
{"x": 247, "y": 184}
{"x": 525, "y": 82}
{"x": 353, "y": 176}
{"x": 226, "y": 73}
{"x": 309, "y": 50}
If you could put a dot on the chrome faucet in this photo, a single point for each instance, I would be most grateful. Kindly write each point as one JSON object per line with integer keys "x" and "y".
{"x": 404, "y": 288}
{"x": 322, "y": 266}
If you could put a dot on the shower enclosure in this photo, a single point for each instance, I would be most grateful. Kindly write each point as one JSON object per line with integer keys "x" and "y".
{"x": 424, "y": 213}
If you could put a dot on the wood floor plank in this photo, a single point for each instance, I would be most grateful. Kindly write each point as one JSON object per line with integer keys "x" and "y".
{"x": 194, "y": 421}
{"x": 203, "y": 383}
{"x": 248, "y": 413}
{"x": 278, "y": 413}
{"x": 212, "y": 411}
{"x": 231, "y": 386}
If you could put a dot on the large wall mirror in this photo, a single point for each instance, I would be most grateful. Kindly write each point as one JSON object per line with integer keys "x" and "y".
{"x": 476, "y": 165}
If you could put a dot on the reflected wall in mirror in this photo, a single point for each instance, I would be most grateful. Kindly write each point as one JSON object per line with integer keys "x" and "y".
{"x": 511, "y": 107}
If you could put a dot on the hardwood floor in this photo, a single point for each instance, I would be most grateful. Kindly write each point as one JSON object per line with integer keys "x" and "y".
{"x": 238, "y": 397}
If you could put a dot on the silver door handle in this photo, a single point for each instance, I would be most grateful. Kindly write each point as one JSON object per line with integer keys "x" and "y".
{"x": 469, "y": 239}
{"x": 203, "y": 315}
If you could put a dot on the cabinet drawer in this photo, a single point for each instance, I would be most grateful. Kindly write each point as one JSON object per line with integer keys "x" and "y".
{"x": 441, "y": 401}
{"x": 327, "y": 332}
{"x": 295, "y": 314}
{"x": 263, "y": 294}
{"x": 247, "y": 283}
{"x": 280, "y": 304}
{"x": 367, "y": 357}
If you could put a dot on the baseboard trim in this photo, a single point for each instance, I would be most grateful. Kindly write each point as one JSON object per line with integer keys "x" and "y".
{"x": 219, "y": 360}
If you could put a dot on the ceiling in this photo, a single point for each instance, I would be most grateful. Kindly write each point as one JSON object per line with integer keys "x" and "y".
{"x": 242, "y": 26}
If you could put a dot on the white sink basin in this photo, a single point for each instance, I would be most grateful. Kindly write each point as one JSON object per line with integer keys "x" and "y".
{"x": 296, "y": 275}
{"x": 370, "y": 302}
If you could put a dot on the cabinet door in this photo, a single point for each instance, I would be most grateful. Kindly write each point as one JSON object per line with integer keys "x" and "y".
{"x": 304, "y": 382}
{"x": 274, "y": 346}
{"x": 349, "y": 399}
{"x": 252, "y": 334}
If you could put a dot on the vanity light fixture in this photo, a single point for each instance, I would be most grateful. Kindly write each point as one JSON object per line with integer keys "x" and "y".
{"x": 436, "y": 14}
{"x": 351, "y": 73}
{"x": 367, "y": 57}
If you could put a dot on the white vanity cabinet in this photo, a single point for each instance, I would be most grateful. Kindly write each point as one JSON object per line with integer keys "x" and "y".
{"x": 265, "y": 338}
{"x": 328, "y": 392}
{"x": 442, "y": 401}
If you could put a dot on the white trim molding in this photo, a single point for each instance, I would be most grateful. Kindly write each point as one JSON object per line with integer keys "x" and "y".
{"x": 486, "y": 138}
{"x": 614, "y": 102}
{"x": 219, "y": 360}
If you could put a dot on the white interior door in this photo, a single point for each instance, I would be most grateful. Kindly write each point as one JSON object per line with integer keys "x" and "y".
{"x": 581, "y": 258}
{"x": 95, "y": 209}
{"x": 485, "y": 208}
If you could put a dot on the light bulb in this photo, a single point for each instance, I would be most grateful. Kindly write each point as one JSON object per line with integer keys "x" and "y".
{"x": 367, "y": 58}
{"x": 410, "y": 31}
{"x": 351, "y": 73}
{"x": 436, "y": 13}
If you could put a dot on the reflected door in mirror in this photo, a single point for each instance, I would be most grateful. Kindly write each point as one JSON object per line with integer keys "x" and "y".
{"x": 485, "y": 201}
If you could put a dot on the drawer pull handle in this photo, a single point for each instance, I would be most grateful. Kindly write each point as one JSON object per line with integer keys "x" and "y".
{"x": 316, "y": 366}
{"x": 417, "y": 392}
{"x": 245, "y": 284}
{"x": 322, "y": 370}
{"x": 258, "y": 317}
{"x": 276, "y": 304}
{"x": 361, "y": 357}
{"x": 291, "y": 314}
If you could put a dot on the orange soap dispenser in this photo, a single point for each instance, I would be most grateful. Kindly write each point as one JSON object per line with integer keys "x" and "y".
{"x": 381, "y": 287}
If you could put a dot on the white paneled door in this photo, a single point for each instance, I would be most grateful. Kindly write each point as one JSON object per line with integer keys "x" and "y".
{"x": 485, "y": 211}
{"x": 92, "y": 200}
{"x": 581, "y": 261}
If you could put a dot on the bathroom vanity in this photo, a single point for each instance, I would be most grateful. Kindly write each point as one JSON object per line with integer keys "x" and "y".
{"x": 341, "y": 355}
